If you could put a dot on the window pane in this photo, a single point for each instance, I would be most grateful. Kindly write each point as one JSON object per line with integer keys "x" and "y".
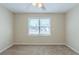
{"x": 33, "y": 26}
{"x": 45, "y": 26}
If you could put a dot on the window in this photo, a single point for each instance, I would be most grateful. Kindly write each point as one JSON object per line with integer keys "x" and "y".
{"x": 39, "y": 26}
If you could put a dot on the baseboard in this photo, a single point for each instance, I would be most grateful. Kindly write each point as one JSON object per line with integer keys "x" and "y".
{"x": 72, "y": 48}
{"x": 6, "y": 48}
{"x": 39, "y": 44}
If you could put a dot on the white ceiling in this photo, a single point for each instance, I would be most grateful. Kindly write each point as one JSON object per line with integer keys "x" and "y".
{"x": 49, "y": 7}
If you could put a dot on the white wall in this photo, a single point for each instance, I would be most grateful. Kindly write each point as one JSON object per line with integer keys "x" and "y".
{"x": 72, "y": 28}
{"x": 6, "y": 28}
{"x": 21, "y": 30}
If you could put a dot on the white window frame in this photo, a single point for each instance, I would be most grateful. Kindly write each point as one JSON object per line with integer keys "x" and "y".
{"x": 39, "y": 18}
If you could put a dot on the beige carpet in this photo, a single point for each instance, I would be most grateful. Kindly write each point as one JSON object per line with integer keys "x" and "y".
{"x": 39, "y": 50}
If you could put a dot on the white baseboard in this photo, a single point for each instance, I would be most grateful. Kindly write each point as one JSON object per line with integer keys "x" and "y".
{"x": 39, "y": 44}
{"x": 6, "y": 48}
{"x": 72, "y": 48}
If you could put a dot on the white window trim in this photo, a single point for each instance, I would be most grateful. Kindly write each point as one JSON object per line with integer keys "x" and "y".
{"x": 39, "y": 18}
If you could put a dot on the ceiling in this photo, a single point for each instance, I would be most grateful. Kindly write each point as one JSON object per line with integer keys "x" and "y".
{"x": 49, "y": 7}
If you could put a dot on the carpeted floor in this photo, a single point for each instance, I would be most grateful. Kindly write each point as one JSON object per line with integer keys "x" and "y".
{"x": 39, "y": 50}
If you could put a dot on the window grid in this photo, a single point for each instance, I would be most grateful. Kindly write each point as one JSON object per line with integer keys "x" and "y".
{"x": 39, "y": 27}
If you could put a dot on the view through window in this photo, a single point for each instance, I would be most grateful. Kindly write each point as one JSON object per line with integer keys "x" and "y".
{"x": 39, "y": 26}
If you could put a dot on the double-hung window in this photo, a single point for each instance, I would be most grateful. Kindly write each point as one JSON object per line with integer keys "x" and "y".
{"x": 39, "y": 26}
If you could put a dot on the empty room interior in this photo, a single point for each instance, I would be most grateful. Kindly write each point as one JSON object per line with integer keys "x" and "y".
{"x": 39, "y": 29}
